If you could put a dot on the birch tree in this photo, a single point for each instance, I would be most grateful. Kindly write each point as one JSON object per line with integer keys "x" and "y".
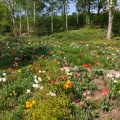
{"x": 11, "y": 7}
{"x": 111, "y": 5}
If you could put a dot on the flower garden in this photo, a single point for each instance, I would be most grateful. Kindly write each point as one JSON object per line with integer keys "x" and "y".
{"x": 73, "y": 75}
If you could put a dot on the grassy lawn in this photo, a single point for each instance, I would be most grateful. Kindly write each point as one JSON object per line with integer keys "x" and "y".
{"x": 74, "y": 75}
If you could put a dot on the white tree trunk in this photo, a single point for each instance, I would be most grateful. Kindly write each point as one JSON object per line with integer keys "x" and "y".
{"x": 11, "y": 6}
{"x": 28, "y": 29}
{"x": 110, "y": 4}
{"x": 52, "y": 13}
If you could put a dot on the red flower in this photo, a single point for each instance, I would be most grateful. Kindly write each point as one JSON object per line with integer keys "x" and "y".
{"x": 12, "y": 70}
{"x": 52, "y": 82}
{"x": 70, "y": 84}
{"x": 64, "y": 77}
{"x": 105, "y": 91}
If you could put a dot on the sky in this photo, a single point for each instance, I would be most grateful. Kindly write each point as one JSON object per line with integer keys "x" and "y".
{"x": 73, "y": 9}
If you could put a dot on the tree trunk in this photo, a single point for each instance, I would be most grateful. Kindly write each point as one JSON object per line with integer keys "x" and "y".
{"x": 14, "y": 26}
{"x": 66, "y": 15}
{"x": 28, "y": 29}
{"x": 12, "y": 9}
{"x": 20, "y": 23}
{"x": 88, "y": 13}
{"x": 77, "y": 19}
{"x": 34, "y": 13}
{"x": 110, "y": 4}
{"x": 52, "y": 19}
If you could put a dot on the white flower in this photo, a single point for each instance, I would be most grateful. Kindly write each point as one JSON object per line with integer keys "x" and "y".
{"x": 40, "y": 79}
{"x": 35, "y": 85}
{"x": 4, "y": 74}
{"x": 35, "y": 76}
{"x": 28, "y": 91}
{"x": 52, "y": 94}
{"x": 109, "y": 75}
{"x": 4, "y": 79}
{"x": 40, "y": 71}
{"x": 0, "y": 79}
{"x": 117, "y": 75}
{"x": 84, "y": 94}
{"x": 35, "y": 80}
{"x": 88, "y": 97}
{"x": 41, "y": 87}
{"x": 43, "y": 71}
{"x": 115, "y": 81}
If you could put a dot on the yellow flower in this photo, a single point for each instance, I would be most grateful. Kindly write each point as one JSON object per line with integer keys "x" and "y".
{"x": 10, "y": 94}
{"x": 66, "y": 86}
{"x": 14, "y": 93}
{"x": 33, "y": 102}
{"x": 97, "y": 56}
{"x": 68, "y": 82}
{"x": 119, "y": 91}
{"x": 19, "y": 71}
{"x": 28, "y": 104}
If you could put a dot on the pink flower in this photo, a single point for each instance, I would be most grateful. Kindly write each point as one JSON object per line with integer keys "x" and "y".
{"x": 88, "y": 92}
{"x": 77, "y": 74}
{"x": 15, "y": 64}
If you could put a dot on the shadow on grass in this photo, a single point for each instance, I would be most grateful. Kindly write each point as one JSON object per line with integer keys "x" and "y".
{"x": 14, "y": 50}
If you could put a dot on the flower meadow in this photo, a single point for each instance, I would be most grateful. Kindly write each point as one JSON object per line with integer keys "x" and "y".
{"x": 59, "y": 77}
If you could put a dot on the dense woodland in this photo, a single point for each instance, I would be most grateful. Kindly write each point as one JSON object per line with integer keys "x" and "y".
{"x": 42, "y": 17}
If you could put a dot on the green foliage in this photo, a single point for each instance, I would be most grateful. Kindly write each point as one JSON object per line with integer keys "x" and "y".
{"x": 5, "y": 23}
{"x": 116, "y": 23}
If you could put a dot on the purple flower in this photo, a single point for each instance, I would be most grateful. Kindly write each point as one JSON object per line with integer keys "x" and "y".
{"x": 78, "y": 100}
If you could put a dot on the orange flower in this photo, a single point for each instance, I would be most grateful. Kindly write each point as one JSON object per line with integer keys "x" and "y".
{"x": 58, "y": 62}
{"x": 66, "y": 86}
{"x": 97, "y": 63}
{"x": 70, "y": 84}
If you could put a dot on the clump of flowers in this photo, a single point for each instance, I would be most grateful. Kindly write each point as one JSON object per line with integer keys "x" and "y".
{"x": 86, "y": 65}
{"x": 29, "y": 104}
{"x": 13, "y": 93}
{"x": 86, "y": 94}
{"x": 3, "y": 78}
{"x": 51, "y": 94}
{"x": 68, "y": 84}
